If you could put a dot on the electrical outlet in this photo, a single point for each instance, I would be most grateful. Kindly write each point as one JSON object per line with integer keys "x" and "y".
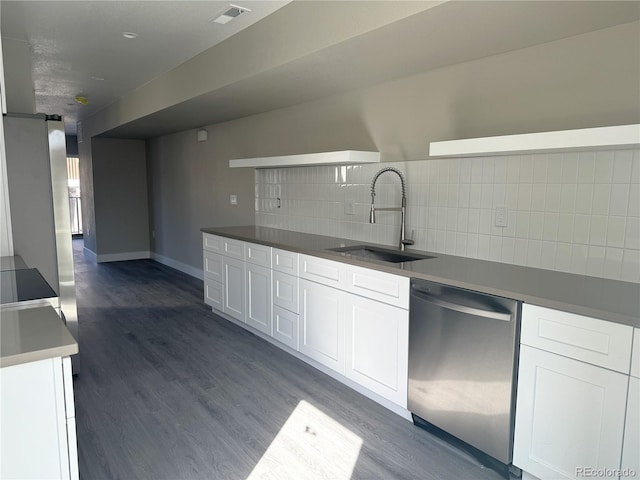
{"x": 349, "y": 207}
{"x": 233, "y": 199}
{"x": 501, "y": 216}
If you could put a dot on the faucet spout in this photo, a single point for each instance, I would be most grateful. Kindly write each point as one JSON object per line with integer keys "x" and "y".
{"x": 403, "y": 209}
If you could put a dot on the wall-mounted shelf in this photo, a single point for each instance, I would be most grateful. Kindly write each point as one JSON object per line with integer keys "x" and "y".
{"x": 343, "y": 157}
{"x": 623, "y": 136}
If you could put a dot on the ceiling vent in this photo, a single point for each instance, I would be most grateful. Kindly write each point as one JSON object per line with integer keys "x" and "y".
{"x": 232, "y": 12}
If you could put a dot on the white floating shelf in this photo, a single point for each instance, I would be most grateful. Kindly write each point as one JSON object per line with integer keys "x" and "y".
{"x": 601, "y": 138}
{"x": 343, "y": 157}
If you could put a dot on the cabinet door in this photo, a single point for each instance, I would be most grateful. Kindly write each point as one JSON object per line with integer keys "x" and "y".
{"x": 33, "y": 433}
{"x": 631, "y": 445}
{"x": 322, "y": 324}
{"x": 285, "y": 326}
{"x": 285, "y": 291}
{"x": 214, "y": 294}
{"x": 259, "y": 298}
{"x": 377, "y": 338}
{"x": 212, "y": 266}
{"x": 234, "y": 288}
{"x": 258, "y": 254}
{"x": 569, "y": 415}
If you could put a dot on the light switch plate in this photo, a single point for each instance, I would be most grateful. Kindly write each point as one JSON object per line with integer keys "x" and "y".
{"x": 501, "y": 216}
{"x": 233, "y": 199}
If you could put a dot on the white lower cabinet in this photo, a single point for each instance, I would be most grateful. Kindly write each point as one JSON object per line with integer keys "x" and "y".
{"x": 631, "y": 444}
{"x": 377, "y": 347}
{"x": 234, "y": 283}
{"x": 214, "y": 294}
{"x": 350, "y": 319}
{"x": 321, "y": 324}
{"x": 285, "y": 326}
{"x": 569, "y": 416}
{"x": 258, "y": 283}
{"x": 37, "y": 431}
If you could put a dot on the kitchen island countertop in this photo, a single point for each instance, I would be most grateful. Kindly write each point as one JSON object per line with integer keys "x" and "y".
{"x": 33, "y": 334}
{"x": 611, "y": 300}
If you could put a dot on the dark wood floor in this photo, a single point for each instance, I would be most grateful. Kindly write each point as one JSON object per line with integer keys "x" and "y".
{"x": 168, "y": 390}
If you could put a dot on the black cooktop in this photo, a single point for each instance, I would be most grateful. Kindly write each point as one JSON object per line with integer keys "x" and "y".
{"x": 23, "y": 285}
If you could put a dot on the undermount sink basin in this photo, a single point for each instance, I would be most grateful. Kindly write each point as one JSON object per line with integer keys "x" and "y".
{"x": 381, "y": 254}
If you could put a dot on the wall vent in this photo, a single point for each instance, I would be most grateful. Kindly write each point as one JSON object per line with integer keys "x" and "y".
{"x": 232, "y": 12}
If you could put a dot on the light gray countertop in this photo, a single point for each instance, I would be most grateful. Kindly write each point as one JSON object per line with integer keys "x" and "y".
{"x": 33, "y": 334}
{"x": 612, "y": 300}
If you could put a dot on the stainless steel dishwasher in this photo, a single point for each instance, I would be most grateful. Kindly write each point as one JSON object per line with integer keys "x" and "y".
{"x": 462, "y": 367}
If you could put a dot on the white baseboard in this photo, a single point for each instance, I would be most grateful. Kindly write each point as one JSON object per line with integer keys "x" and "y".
{"x": 91, "y": 255}
{"x": 119, "y": 257}
{"x": 183, "y": 267}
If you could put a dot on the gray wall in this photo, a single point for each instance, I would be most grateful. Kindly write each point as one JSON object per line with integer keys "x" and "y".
{"x": 120, "y": 196}
{"x": 583, "y": 81}
{"x": 87, "y": 196}
{"x": 19, "y": 86}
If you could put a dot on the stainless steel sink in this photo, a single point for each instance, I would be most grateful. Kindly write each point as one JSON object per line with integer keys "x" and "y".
{"x": 380, "y": 254}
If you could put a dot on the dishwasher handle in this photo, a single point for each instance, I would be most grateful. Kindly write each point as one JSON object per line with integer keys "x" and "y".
{"x": 505, "y": 317}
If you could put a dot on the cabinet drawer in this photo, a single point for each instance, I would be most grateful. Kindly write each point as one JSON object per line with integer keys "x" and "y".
{"x": 233, "y": 248}
{"x": 320, "y": 270}
{"x": 285, "y": 326}
{"x": 285, "y": 261}
{"x": 258, "y": 254}
{"x": 214, "y": 293}
{"x": 212, "y": 266}
{"x": 591, "y": 340}
{"x": 285, "y": 291}
{"x": 635, "y": 354}
{"x": 380, "y": 286}
{"x": 213, "y": 243}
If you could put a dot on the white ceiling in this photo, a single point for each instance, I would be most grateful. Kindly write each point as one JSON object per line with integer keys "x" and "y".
{"x": 74, "y": 44}
{"x": 74, "y": 41}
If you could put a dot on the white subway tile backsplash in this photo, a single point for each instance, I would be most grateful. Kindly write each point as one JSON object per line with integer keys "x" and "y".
{"x": 598, "y": 230}
{"x": 570, "y": 168}
{"x": 554, "y": 169}
{"x": 568, "y": 197}
{"x": 604, "y": 167}
{"x": 575, "y": 212}
{"x": 622, "y": 166}
{"x": 601, "y": 199}
{"x": 619, "y": 199}
{"x": 584, "y": 198}
{"x": 586, "y": 167}
{"x": 538, "y": 196}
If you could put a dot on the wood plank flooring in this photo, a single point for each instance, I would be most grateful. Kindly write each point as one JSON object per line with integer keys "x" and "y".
{"x": 168, "y": 390}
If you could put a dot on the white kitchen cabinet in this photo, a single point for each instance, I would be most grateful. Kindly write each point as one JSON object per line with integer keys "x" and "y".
{"x": 214, "y": 294}
{"x": 212, "y": 266}
{"x": 285, "y": 291}
{"x": 212, "y": 243}
{"x": 635, "y": 355}
{"x": 631, "y": 443}
{"x": 321, "y": 270}
{"x": 258, "y": 292}
{"x": 285, "y": 326}
{"x": 233, "y": 248}
{"x": 569, "y": 415}
{"x": 285, "y": 261}
{"x": 588, "y": 339}
{"x": 258, "y": 254}
{"x": 380, "y": 286}
{"x": 377, "y": 347}
{"x": 321, "y": 333}
{"x": 37, "y": 432}
{"x": 234, "y": 288}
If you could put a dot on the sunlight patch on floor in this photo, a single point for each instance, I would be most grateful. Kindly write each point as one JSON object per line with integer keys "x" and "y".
{"x": 310, "y": 445}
